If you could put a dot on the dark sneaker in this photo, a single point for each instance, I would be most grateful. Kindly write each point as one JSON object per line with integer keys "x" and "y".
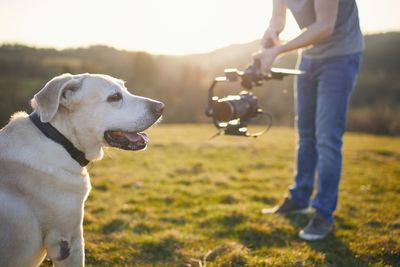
{"x": 317, "y": 228}
{"x": 287, "y": 207}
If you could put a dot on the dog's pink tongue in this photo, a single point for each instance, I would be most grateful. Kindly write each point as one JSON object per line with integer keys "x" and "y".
{"x": 137, "y": 137}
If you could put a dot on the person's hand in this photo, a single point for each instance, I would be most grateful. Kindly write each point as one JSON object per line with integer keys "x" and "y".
{"x": 268, "y": 52}
{"x": 267, "y": 57}
{"x": 270, "y": 38}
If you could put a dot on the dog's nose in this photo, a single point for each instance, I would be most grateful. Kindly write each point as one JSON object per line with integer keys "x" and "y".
{"x": 158, "y": 108}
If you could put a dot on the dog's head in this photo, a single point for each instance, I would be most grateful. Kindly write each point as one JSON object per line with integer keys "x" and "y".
{"x": 94, "y": 110}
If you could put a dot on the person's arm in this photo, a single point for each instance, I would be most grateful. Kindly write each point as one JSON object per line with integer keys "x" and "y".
{"x": 326, "y": 14}
{"x": 276, "y": 24}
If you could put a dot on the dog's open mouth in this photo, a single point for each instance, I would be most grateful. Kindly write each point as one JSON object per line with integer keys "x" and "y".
{"x": 126, "y": 140}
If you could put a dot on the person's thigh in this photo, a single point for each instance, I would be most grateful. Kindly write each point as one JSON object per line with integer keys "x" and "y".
{"x": 336, "y": 80}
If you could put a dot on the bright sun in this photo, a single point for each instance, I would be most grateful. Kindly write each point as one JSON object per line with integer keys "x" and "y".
{"x": 172, "y": 27}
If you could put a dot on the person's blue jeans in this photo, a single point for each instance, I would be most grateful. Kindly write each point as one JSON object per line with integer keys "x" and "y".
{"x": 323, "y": 94}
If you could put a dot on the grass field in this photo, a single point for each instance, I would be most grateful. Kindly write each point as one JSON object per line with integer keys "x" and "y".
{"x": 186, "y": 201}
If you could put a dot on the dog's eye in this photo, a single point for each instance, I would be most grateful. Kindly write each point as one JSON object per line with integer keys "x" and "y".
{"x": 115, "y": 97}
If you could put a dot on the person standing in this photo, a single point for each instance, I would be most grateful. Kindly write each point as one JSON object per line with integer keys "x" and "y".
{"x": 332, "y": 45}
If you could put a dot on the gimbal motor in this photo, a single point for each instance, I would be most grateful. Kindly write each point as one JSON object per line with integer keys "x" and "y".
{"x": 232, "y": 114}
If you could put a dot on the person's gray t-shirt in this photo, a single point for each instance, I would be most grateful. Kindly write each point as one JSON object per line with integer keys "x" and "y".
{"x": 346, "y": 37}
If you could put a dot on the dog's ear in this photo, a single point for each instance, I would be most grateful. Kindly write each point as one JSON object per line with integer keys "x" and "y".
{"x": 57, "y": 91}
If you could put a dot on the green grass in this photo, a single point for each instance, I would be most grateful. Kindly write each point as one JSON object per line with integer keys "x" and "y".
{"x": 186, "y": 201}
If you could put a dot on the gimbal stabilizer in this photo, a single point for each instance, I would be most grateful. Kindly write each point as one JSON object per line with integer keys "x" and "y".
{"x": 232, "y": 114}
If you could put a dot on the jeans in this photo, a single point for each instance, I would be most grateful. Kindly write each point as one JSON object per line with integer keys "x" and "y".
{"x": 322, "y": 96}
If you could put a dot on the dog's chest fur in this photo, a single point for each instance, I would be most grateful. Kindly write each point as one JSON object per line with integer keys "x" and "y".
{"x": 41, "y": 175}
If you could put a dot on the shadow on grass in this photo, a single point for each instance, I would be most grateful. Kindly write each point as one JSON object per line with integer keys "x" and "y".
{"x": 255, "y": 238}
{"x": 115, "y": 225}
{"x": 228, "y": 221}
{"x": 164, "y": 250}
{"x": 252, "y": 236}
{"x": 335, "y": 250}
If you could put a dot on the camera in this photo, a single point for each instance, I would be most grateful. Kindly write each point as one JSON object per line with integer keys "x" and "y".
{"x": 232, "y": 114}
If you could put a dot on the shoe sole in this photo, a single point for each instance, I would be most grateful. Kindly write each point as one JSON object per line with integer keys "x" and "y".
{"x": 273, "y": 211}
{"x": 311, "y": 237}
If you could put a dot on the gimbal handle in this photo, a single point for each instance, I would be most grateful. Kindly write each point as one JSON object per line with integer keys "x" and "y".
{"x": 275, "y": 73}
{"x": 232, "y": 75}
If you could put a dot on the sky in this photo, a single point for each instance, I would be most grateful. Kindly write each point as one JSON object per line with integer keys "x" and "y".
{"x": 159, "y": 26}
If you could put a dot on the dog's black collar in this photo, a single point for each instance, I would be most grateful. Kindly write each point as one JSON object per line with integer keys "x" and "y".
{"x": 48, "y": 130}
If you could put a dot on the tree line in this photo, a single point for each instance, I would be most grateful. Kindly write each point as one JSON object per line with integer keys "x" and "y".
{"x": 182, "y": 81}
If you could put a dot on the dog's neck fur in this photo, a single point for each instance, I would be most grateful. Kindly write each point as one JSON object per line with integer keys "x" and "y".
{"x": 80, "y": 138}
{"x": 34, "y": 150}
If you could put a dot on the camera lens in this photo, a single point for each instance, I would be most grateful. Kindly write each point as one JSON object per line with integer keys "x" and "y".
{"x": 243, "y": 106}
{"x": 224, "y": 111}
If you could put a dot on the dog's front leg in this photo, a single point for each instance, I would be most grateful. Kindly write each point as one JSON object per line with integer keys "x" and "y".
{"x": 64, "y": 251}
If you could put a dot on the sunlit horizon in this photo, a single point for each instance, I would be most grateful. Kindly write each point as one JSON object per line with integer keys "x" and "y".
{"x": 159, "y": 27}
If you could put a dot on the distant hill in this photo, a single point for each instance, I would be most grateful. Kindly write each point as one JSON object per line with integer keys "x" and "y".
{"x": 182, "y": 81}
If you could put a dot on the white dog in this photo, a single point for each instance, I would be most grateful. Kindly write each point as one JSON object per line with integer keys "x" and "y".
{"x": 43, "y": 179}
